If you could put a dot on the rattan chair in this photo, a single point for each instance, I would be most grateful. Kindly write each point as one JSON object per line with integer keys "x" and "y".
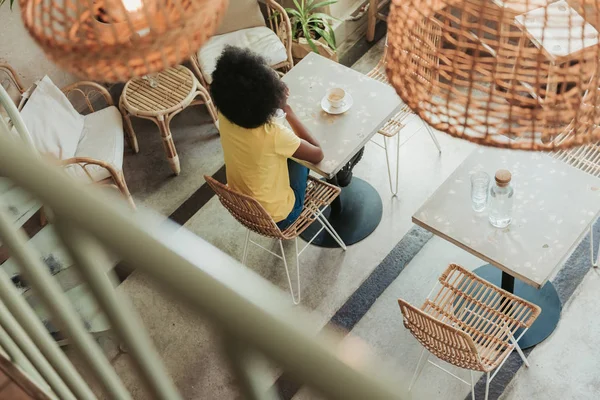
{"x": 250, "y": 213}
{"x": 275, "y": 18}
{"x": 92, "y": 95}
{"x": 396, "y": 123}
{"x": 469, "y": 323}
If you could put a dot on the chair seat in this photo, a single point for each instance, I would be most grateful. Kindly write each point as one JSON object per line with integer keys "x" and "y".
{"x": 486, "y": 313}
{"x": 319, "y": 194}
{"x": 101, "y": 139}
{"x": 395, "y": 124}
{"x": 260, "y": 40}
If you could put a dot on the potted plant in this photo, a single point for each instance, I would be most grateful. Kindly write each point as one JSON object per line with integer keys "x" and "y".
{"x": 311, "y": 29}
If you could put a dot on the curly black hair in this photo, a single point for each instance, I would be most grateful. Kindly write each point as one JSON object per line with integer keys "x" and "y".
{"x": 245, "y": 89}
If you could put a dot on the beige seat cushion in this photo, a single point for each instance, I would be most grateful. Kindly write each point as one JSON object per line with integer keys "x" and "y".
{"x": 54, "y": 125}
{"x": 260, "y": 40}
{"x": 102, "y": 139}
{"x": 241, "y": 14}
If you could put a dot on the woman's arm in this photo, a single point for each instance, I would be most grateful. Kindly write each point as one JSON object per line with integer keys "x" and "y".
{"x": 310, "y": 149}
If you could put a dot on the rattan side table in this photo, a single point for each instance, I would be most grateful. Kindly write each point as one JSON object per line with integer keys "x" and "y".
{"x": 174, "y": 90}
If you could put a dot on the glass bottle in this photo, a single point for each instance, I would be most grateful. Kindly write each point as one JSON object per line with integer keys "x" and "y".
{"x": 501, "y": 200}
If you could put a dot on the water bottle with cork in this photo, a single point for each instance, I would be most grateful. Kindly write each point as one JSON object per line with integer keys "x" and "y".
{"x": 501, "y": 200}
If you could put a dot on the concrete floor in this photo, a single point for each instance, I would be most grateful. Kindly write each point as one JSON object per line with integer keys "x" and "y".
{"x": 565, "y": 366}
{"x": 148, "y": 174}
{"x": 190, "y": 347}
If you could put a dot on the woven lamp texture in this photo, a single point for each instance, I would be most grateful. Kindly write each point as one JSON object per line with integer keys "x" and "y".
{"x": 115, "y": 40}
{"x": 520, "y": 74}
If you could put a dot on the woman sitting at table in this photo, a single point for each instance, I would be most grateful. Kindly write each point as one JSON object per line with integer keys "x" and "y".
{"x": 257, "y": 150}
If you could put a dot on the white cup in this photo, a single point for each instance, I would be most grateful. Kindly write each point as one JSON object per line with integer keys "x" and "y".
{"x": 335, "y": 97}
{"x": 279, "y": 117}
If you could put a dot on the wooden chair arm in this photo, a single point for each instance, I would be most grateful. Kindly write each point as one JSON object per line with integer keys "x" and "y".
{"x": 83, "y": 162}
{"x": 13, "y": 77}
{"x": 279, "y": 22}
{"x": 88, "y": 90}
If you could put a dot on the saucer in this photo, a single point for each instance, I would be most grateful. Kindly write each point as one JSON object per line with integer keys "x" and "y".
{"x": 328, "y": 108}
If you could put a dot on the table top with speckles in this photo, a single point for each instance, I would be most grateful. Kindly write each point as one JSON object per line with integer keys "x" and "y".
{"x": 341, "y": 136}
{"x": 554, "y": 205}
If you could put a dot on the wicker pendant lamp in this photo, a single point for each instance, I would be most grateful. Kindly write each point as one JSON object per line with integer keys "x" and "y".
{"x": 520, "y": 74}
{"x": 115, "y": 40}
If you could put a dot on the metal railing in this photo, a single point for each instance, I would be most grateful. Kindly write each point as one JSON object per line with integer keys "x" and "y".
{"x": 253, "y": 316}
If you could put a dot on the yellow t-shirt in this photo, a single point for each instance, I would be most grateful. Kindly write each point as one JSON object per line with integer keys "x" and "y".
{"x": 256, "y": 163}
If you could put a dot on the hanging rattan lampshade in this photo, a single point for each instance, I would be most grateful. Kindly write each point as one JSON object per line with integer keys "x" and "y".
{"x": 516, "y": 73}
{"x": 114, "y": 40}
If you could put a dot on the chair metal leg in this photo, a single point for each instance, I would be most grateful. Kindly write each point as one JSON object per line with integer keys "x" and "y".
{"x": 419, "y": 369}
{"x": 246, "y": 247}
{"x": 521, "y": 354}
{"x": 287, "y": 271}
{"x": 432, "y": 134}
{"x": 389, "y": 170}
{"x": 472, "y": 385}
{"x": 331, "y": 231}
{"x": 487, "y": 386}
{"x": 387, "y": 159}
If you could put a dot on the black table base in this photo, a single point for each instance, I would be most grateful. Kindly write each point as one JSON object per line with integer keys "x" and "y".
{"x": 546, "y": 298}
{"x": 354, "y": 215}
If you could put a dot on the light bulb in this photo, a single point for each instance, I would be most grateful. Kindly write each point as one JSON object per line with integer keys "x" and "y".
{"x": 133, "y": 5}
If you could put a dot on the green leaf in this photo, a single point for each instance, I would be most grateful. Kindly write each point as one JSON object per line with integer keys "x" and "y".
{"x": 312, "y": 45}
{"x": 293, "y": 13}
{"x": 332, "y": 35}
{"x": 274, "y": 16}
{"x": 298, "y": 5}
{"x": 309, "y": 40}
{"x": 327, "y": 36}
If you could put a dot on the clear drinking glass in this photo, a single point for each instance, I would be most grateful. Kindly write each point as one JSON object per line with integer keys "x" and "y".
{"x": 480, "y": 182}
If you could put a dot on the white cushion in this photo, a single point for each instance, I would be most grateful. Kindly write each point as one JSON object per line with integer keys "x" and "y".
{"x": 54, "y": 125}
{"x": 102, "y": 139}
{"x": 260, "y": 40}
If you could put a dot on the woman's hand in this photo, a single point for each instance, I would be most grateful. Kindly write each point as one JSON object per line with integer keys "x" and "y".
{"x": 286, "y": 107}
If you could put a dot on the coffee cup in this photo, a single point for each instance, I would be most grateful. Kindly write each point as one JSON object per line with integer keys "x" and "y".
{"x": 335, "y": 97}
{"x": 279, "y": 117}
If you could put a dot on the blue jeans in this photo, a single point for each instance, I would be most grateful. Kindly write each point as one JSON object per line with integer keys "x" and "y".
{"x": 298, "y": 179}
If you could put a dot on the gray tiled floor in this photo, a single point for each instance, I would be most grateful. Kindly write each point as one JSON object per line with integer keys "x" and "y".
{"x": 565, "y": 366}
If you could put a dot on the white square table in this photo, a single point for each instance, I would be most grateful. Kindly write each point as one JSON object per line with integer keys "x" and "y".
{"x": 357, "y": 211}
{"x": 554, "y": 206}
